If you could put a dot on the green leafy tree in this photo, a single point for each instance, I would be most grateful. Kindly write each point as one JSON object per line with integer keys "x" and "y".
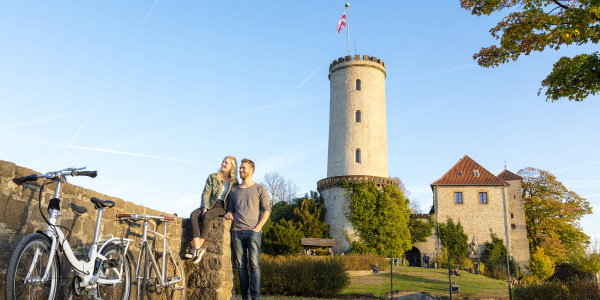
{"x": 282, "y": 238}
{"x": 541, "y": 265}
{"x": 281, "y": 210}
{"x": 419, "y": 230}
{"x": 454, "y": 240}
{"x": 552, "y": 214}
{"x": 537, "y": 25}
{"x": 380, "y": 217}
{"x": 311, "y": 216}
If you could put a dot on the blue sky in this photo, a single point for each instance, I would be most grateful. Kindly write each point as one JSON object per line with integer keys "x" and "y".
{"x": 153, "y": 94}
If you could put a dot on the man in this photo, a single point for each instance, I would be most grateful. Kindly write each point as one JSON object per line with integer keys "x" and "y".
{"x": 248, "y": 206}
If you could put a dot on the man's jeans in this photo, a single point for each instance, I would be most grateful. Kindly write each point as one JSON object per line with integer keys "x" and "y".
{"x": 246, "y": 245}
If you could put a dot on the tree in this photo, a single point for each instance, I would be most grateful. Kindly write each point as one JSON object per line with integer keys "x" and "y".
{"x": 380, "y": 217}
{"x": 541, "y": 265}
{"x": 419, "y": 230}
{"x": 537, "y": 25}
{"x": 311, "y": 216}
{"x": 278, "y": 188}
{"x": 552, "y": 215}
{"x": 283, "y": 238}
{"x": 454, "y": 240}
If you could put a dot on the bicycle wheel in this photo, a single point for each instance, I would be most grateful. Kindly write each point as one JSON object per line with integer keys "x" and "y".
{"x": 31, "y": 255}
{"x": 175, "y": 276}
{"x": 144, "y": 266}
{"x": 116, "y": 262}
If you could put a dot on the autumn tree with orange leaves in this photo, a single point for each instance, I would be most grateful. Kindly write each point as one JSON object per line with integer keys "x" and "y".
{"x": 537, "y": 25}
{"x": 552, "y": 215}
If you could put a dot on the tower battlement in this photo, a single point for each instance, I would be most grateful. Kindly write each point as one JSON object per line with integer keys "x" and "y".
{"x": 356, "y": 58}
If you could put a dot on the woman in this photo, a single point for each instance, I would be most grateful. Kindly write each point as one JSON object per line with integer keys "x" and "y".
{"x": 214, "y": 203}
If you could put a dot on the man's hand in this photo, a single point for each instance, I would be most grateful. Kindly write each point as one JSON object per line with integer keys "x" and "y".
{"x": 228, "y": 216}
{"x": 256, "y": 229}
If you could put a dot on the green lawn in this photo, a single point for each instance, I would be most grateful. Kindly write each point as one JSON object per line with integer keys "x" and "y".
{"x": 432, "y": 281}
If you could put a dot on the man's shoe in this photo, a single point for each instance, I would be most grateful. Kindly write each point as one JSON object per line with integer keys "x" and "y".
{"x": 198, "y": 253}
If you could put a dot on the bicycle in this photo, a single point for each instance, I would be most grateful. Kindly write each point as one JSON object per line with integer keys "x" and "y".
{"x": 34, "y": 270}
{"x": 170, "y": 277}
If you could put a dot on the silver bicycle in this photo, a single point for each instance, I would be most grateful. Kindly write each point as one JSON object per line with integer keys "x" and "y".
{"x": 167, "y": 276}
{"x": 33, "y": 271}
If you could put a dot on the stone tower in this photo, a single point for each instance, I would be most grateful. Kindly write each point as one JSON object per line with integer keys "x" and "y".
{"x": 357, "y": 137}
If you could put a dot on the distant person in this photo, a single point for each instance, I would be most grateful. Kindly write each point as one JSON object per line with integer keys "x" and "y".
{"x": 213, "y": 204}
{"x": 403, "y": 258}
{"x": 375, "y": 269}
{"x": 397, "y": 261}
{"x": 455, "y": 288}
{"x": 427, "y": 261}
{"x": 248, "y": 205}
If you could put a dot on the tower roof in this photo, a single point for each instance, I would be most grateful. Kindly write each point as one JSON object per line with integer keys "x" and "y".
{"x": 467, "y": 172}
{"x": 507, "y": 175}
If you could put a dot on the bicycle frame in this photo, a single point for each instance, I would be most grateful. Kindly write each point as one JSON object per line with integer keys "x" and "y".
{"x": 84, "y": 270}
{"x": 144, "y": 243}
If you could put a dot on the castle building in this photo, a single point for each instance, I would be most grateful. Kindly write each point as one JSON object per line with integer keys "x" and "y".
{"x": 483, "y": 203}
{"x": 357, "y": 149}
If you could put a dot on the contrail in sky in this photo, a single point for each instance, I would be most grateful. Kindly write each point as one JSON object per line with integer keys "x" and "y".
{"x": 35, "y": 122}
{"x": 138, "y": 155}
{"x": 575, "y": 167}
{"x": 228, "y": 116}
{"x": 309, "y": 76}
{"x": 434, "y": 73}
{"x": 147, "y": 15}
{"x": 73, "y": 140}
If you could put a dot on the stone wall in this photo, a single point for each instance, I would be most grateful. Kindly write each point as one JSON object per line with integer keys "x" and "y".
{"x": 19, "y": 216}
{"x": 337, "y": 204}
{"x": 519, "y": 245}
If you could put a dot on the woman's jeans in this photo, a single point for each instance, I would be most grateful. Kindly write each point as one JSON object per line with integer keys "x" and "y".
{"x": 246, "y": 245}
{"x": 201, "y": 224}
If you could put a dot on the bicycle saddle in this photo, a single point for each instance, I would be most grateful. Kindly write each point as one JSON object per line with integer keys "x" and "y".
{"x": 102, "y": 203}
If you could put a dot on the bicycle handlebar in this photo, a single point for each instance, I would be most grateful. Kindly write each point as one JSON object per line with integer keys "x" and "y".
{"x": 136, "y": 217}
{"x": 56, "y": 174}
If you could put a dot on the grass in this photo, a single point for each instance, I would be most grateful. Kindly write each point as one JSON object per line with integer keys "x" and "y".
{"x": 432, "y": 281}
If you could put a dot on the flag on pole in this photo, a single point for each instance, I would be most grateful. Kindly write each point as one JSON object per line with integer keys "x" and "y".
{"x": 342, "y": 23}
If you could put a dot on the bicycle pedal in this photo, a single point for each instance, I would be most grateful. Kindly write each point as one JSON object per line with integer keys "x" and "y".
{"x": 110, "y": 263}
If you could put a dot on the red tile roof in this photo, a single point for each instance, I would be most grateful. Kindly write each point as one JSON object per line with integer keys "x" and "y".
{"x": 506, "y": 174}
{"x": 466, "y": 166}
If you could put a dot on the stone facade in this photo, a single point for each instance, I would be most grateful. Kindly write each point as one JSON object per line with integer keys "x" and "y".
{"x": 519, "y": 244}
{"x": 19, "y": 216}
{"x": 346, "y": 133}
{"x": 357, "y": 137}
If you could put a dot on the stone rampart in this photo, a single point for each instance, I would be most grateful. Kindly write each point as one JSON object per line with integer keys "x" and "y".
{"x": 19, "y": 216}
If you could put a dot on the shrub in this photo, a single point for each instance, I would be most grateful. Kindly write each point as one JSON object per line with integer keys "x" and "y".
{"x": 541, "y": 265}
{"x": 575, "y": 289}
{"x": 362, "y": 262}
{"x": 302, "y": 276}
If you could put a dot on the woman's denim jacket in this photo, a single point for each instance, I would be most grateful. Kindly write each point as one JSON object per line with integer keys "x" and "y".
{"x": 211, "y": 191}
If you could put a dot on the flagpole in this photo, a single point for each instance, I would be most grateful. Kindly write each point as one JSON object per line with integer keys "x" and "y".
{"x": 348, "y": 26}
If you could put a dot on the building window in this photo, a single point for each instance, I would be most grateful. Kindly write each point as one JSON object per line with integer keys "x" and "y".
{"x": 358, "y": 116}
{"x": 483, "y": 197}
{"x": 513, "y": 226}
{"x": 357, "y": 156}
{"x": 358, "y": 84}
{"x": 458, "y": 197}
{"x": 459, "y": 173}
{"x": 512, "y": 216}
{"x": 476, "y": 173}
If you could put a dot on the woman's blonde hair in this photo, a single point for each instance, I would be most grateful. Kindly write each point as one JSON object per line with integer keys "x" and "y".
{"x": 233, "y": 171}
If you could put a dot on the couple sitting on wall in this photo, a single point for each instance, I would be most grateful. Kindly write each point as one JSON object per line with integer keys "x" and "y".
{"x": 247, "y": 204}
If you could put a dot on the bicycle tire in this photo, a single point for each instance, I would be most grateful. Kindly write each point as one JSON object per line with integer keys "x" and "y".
{"x": 20, "y": 264}
{"x": 175, "y": 271}
{"x": 122, "y": 290}
{"x": 142, "y": 283}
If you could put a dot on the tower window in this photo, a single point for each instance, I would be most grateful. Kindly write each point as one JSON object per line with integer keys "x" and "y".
{"x": 357, "y": 156}
{"x": 358, "y": 84}
{"x": 357, "y": 116}
{"x": 512, "y": 216}
{"x": 458, "y": 197}
{"x": 513, "y": 226}
{"x": 483, "y": 197}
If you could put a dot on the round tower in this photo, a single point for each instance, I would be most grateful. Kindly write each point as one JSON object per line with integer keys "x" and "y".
{"x": 357, "y": 137}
